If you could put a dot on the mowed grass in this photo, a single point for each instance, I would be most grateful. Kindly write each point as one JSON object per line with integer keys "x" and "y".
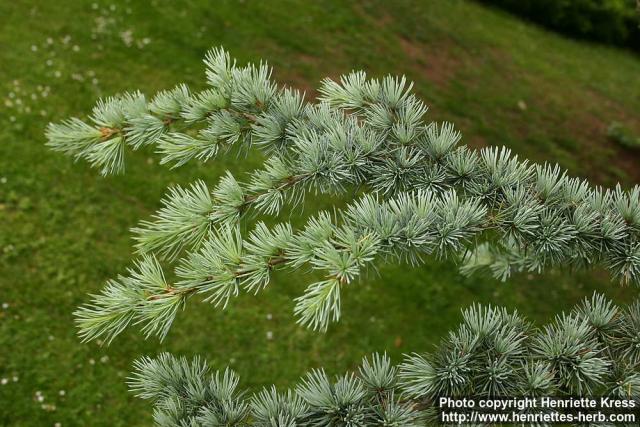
{"x": 64, "y": 229}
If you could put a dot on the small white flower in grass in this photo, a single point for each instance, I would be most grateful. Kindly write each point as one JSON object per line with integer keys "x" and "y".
{"x": 269, "y": 316}
{"x": 57, "y": 425}
{"x": 27, "y": 109}
{"x": 269, "y": 335}
{"x": 34, "y": 48}
{"x": 14, "y": 378}
{"x": 4, "y": 381}
{"x": 66, "y": 39}
{"x": 49, "y": 41}
{"x": 12, "y": 95}
{"x": 57, "y": 74}
{"x": 92, "y": 361}
{"x": 232, "y": 360}
{"x": 62, "y": 392}
{"x": 94, "y": 6}
{"x": 104, "y": 359}
{"x": 127, "y": 37}
{"x": 49, "y": 407}
{"x": 43, "y": 113}
{"x": 34, "y": 96}
{"x": 94, "y": 81}
{"x": 12, "y": 118}
{"x": 39, "y": 396}
{"x": 76, "y": 48}
{"x": 5, "y": 305}
{"x": 51, "y": 337}
{"x": 45, "y": 94}
{"x": 18, "y": 101}
{"x": 8, "y": 103}
{"x": 49, "y": 62}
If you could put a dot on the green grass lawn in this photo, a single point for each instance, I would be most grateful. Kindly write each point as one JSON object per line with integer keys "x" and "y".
{"x": 64, "y": 229}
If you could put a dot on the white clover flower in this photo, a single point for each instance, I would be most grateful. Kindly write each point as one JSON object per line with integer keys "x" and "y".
{"x": 49, "y": 407}
{"x": 127, "y": 37}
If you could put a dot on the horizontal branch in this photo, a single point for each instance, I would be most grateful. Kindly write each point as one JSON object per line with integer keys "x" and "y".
{"x": 493, "y": 353}
{"x": 408, "y": 227}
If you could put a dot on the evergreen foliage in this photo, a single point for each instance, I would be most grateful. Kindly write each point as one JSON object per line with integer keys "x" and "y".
{"x": 590, "y": 351}
{"x": 420, "y": 194}
{"x": 416, "y": 193}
